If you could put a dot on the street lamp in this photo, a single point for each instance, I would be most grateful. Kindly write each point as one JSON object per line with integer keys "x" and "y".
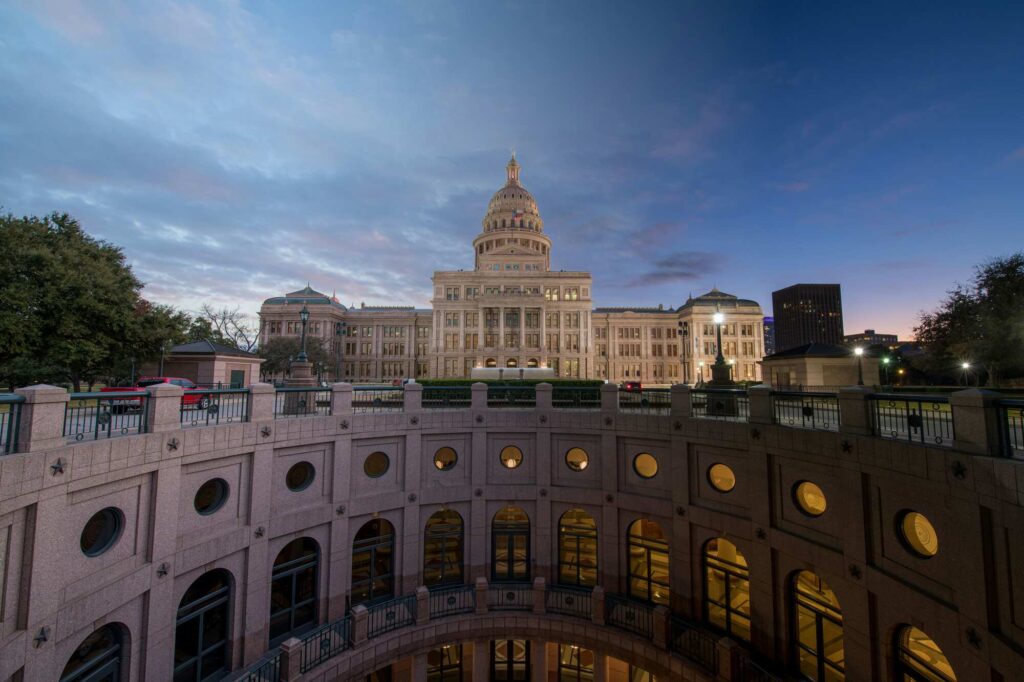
{"x": 339, "y": 334}
{"x": 859, "y": 352}
{"x": 966, "y": 367}
{"x": 700, "y": 371}
{"x": 720, "y": 371}
{"x": 304, "y": 316}
{"x": 885, "y": 367}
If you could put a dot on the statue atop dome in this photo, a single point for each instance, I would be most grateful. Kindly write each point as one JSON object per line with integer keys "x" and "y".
{"x": 512, "y": 170}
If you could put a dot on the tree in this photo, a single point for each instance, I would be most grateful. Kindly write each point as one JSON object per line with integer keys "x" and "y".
{"x": 228, "y": 326}
{"x": 981, "y": 323}
{"x": 279, "y": 351}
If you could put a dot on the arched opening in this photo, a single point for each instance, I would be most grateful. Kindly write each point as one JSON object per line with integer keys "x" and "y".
{"x": 575, "y": 664}
{"x": 445, "y": 664}
{"x": 647, "y": 559}
{"x": 202, "y": 629}
{"x": 373, "y": 562}
{"x": 919, "y": 658}
{"x": 490, "y": 362}
{"x": 510, "y": 659}
{"x": 293, "y": 590}
{"x": 532, "y": 362}
{"x": 818, "y": 620}
{"x": 442, "y": 549}
{"x": 512, "y": 362}
{"x": 510, "y": 545}
{"x": 727, "y": 588}
{"x": 97, "y": 658}
{"x": 577, "y": 549}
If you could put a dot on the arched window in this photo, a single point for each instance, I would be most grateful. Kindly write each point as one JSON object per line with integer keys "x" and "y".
{"x": 647, "y": 558}
{"x": 512, "y": 362}
{"x": 727, "y": 588}
{"x": 532, "y": 362}
{"x": 373, "y": 562}
{"x": 510, "y": 545}
{"x": 510, "y": 659}
{"x": 293, "y": 590}
{"x": 442, "y": 549}
{"x": 202, "y": 629}
{"x": 445, "y": 664}
{"x": 575, "y": 664}
{"x": 919, "y": 658}
{"x": 491, "y": 362}
{"x": 577, "y": 549}
{"x": 97, "y": 658}
{"x": 819, "y": 629}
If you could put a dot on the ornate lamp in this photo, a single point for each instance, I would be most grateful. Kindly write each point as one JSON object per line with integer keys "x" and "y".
{"x": 304, "y": 317}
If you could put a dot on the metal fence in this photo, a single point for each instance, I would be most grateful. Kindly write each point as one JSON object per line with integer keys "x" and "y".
{"x": 10, "y": 421}
{"x": 728, "y": 404}
{"x": 267, "y": 669}
{"x": 377, "y": 399}
{"x": 449, "y": 601}
{"x": 325, "y": 643}
{"x": 301, "y": 402}
{"x": 806, "y": 410}
{"x": 918, "y": 419}
{"x": 569, "y": 601}
{"x": 510, "y": 597}
{"x": 447, "y": 397}
{"x": 1011, "y": 418}
{"x": 218, "y": 406}
{"x": 646, "y": 401}
{"x": 390, "y": 615}
{"x": 695, "y": 644}
{"x": 629, "y": 615}
{"x": 91, "y": 416}
{"x": 511, "y": 396}
{"x": 576, "y": 397}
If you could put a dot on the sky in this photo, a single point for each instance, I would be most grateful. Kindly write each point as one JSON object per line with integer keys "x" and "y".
{"x": 238, "y": 150}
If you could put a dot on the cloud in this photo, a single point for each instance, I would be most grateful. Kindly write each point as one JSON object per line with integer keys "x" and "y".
{"x": 680, "y": 266}
{"x": 1016, "y": 155}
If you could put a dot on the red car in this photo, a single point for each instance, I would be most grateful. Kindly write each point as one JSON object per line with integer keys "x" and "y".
{"x": 632, "y": 386}
{"x": 194, "y": 400}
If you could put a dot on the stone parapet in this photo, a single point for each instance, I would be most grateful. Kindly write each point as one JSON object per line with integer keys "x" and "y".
{"x": 341, "y": 398}
{"x": 680, "y": 396}
{"x": 163, "y": 407}
{"x": 976, "y": 421}
{"x": 855, "y": 410}
{"x": 261, "y": 402}
{"x": 42, "y": 417}
{"x": 761, "y": 411}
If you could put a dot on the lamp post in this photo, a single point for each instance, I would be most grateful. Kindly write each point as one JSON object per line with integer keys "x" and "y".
{"x": 859, "y": 352}
{"x": 885, "y": 368}
{"x": 339, "y": 334}
{"x": 966, "y": 367}
{"x": 304, "y": 316}
{"x": 700, "y": 371}
{"x": 720, "y": 371}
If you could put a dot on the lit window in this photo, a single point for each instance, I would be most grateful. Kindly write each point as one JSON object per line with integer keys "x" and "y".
{"x": 809, "y": 498}
{"x": 376, "y": 465}
{"x": 577, "y": 549}
{"x": 721, "y": 478}
{"x": 577, "y": 459}
{"x": 442, "y": 549}
{"x": 727, "y": 588}
{"x": 920, "y": 658}
{"x": 445, "y": 458}
{"x": 919, "y": 534}
{"x": 645, "y": 465}
{"x": 647, "y": 562}
{"x": 511, "y": 456}
{"x": 819, "y": 623}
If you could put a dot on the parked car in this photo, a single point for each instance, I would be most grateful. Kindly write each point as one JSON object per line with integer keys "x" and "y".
{"x": 193, "y": 400}
{"x": 631, "y": 386}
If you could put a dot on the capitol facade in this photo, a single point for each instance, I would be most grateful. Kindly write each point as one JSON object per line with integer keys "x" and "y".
{"x": 512, "y": 310}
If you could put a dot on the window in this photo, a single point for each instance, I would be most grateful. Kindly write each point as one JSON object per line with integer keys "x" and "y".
{"x": 373, "y": 558}
{"x": 645, "y": 465}
{"x": 445, "y": 458}
{"x": 101, "y": 531}
{"x": 510, "y": 660}
{"x": 551, "y": 293}
{"x": 819, "y": 629}
{"x": 919, "y": 658}
{"x": 97, "y": 658}
{"x": 577, "y": 459}
{"x": 809, "y": 498}
{"x": 726, "y": 588}
{"x": 202, "y": 629}
{"x": 721, "y": 478}
{"x": 577, "y": 549}
{"x": 300, "y": 476}
{"x": 918, "y": 534}
{"x": 575, "y": 664}
{"x": 376, "y": 465}
{"x": 511, "y": 456}
{"x": 445, "y": 664}
{"x": 510, "y": 545}
{"x": 293, "y": 590}
{"x": 451, "y": 293}
{"x": 442, "y": 549}
{"x": 647, "y": 559}
{"x": 211, "y": 496}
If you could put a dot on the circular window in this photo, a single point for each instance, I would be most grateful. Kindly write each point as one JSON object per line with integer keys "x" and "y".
{"x": 445, "y": 458}
{"x": 721, "y": 478}
{"x": 376, "y": 465}
{"x": 809, "y": 498}
{"x": 577, "y": 459}
{"x": 211, "y": 496}
{"x": 102, "y": 531}
{"x": 511, "y": 456}
{"x": 645, "y": 465}
{"x": 300, "y": 476}
{"x": 919, "y": 534}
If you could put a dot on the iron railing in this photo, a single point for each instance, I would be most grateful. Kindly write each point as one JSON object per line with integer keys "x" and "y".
{"x": 377, "y": 399}
{"x": 629, "y": 614}
{"x": 918, "y": 419}
{"x": 297, "y": 401}
{"x": 1011, "y": 419}
{"x": 390, "y": 615}
{"x": 216, "y": 406}
{"x": 510, "y": 596}
{"x": 325, "y": 643}
{"x": 447, "y": 397}
{"x": 576, "y": 397}
{"x": 10, "y": 421}
{"x": 805, "y": 410}
{"x": 569, "y": 601}
{"x": 748, "y": 670}
{"x": 646, "y": 401}
{"x": 267, "y": 669}
{"x": 105, "y": 415}
{"x": 449, "y": 601}
{"x": 511, "y": 396}
{"x": 728, "y": 404}
{"x": 689, "y": 641}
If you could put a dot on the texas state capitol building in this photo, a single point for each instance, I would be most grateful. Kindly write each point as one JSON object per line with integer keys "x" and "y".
{"x": 512, "y": 310}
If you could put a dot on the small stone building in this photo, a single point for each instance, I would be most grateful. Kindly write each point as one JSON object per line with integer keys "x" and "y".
{"x": 209, "y": 363}
{"x": 817, "y": 365}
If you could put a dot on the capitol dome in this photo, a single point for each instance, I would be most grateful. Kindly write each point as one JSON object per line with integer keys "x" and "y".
{"x": 512, "y": 206}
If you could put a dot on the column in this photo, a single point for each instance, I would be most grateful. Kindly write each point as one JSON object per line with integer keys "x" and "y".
{"x": 539, "y": 660}
{"x": 481, "y": 659}
{"x": 522, "y": 330}
{"x": 501, "y": 327}
{"x": 600, "y": 667}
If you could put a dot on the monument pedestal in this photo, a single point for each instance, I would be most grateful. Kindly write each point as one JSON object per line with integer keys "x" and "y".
{"x": 722, "y": 405}
{"x": 300, "y": 402}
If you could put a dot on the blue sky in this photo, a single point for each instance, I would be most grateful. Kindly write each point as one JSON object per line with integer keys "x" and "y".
{"x": 237, "y": 150}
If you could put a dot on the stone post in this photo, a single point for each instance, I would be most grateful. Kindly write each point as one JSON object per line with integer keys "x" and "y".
{"x": 261, "y": 402}
{"x": 300, "y": 402}
{"x": 681, "y": 406}
{"x": 341, "y": 399}
{"x": 600, "y": 667}
{"x": 728, "y": 653}
{"x": 976, "y": 424}
{"x": 359, "y": 624}
{"x": 544, "y": 391}
{"x": 163, "y": 408}
{"x": 609, "y": 398}
{"x": 419, "y": 668}
{"x": 660, "y": 618}
{"x": 761, "y": 408}
{"x": 539, "y": 598}
{"x": 422, "y": 605}
{"x": 481, "y": 659}
{"x": 481, "y": 595}
{"x": 42, "y": 418}
{"x": 412, "y": 397}
{"x": 479, "y": 390}
{"x": 855, "y": 410}
{"x": 291, "y": 660}
{"x": 597, "y": 605}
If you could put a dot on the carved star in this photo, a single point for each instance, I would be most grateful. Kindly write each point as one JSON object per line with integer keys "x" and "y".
{"x": 57, "y": 467}
{"x": 755, "y": 434}
{"x": 340, "y": 509}
{"x": 344, "y": 423}
{"x": 265, "y": 432}
{"x": 973, "y": 638}
{"x": 41, "y": 637}
{"x": 761, "y": 534}
{"x": 260, "y": 531}
{"x": 855, "y": 571}
{"x": 846, "y": 446}
{"x": 162, "y": 570}
{"x": 414, "y": 420}
{"x": 959, "y": 470}
{"x": 172, "y": 444}
{"x": 678, "y": 425}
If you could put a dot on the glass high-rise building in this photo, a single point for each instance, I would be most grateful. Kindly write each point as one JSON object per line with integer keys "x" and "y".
{"x": 807, "y": 313}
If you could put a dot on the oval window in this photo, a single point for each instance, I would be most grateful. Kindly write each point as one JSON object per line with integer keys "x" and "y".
{"x": 445, "y": 458}
{"x": 511, "y": 456}
{"x": 645, "y": 465}
{"x": 721, "y": 478}
{"x": 300, "y": 476}
{"x": 102, "y": 531}
{"x": 376, "y": 465}
{"x": 211, "y": 496}
{"x": 809, "y": 498}
{"x": 577, "y": 459}
{"x": 919, "y": 534}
